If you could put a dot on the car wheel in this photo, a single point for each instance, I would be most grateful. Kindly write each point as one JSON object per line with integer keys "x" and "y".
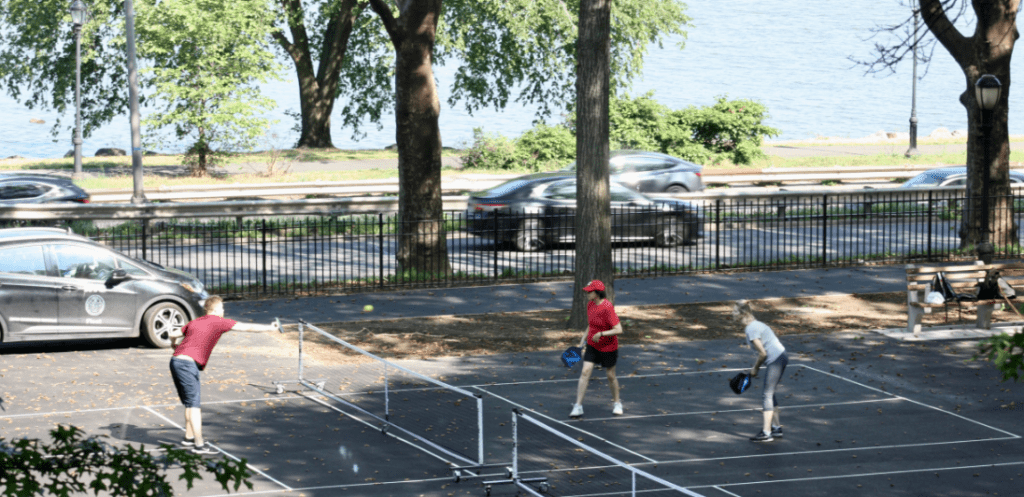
{"x": 672, "y": 232}
{"x": 159, "y": 321}
{"x": 528, "y": 236}
{"x": 676, "y": 189}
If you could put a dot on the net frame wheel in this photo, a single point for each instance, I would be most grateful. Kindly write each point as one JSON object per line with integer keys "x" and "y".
{"x": 544, "y": 487}
{"x": 487, "y": 490}
{"x": 458, "y": 475}
{"x": 280, "y": 389}
{"x": 320, "y": 384}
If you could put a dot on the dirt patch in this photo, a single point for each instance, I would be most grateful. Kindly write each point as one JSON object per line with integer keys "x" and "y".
{"x": 470, "y": 335}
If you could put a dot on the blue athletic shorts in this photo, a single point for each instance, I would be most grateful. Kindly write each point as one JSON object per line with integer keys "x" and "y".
{"x": 186, "y": 380}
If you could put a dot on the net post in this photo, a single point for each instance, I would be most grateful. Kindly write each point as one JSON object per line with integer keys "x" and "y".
{"x": 301, "y": 335}
{"x": 515, "y": 445}
{"x": 480, "y": 429}
{"x": 387, "y": 396}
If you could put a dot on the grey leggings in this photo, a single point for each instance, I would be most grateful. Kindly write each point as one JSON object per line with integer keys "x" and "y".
{"x": 772, "y": 377}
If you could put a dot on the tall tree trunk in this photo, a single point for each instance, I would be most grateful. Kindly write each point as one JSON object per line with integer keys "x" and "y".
{"x": 422, "y": 241}
{"x": 318, "y": 89}
{"x": 593, "y": 209}
{"x": 987, "y": 51}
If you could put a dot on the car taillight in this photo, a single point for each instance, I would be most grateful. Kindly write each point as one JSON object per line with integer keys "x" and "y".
{"x": 698, "y": 174}
{"x": 82, "y": 200}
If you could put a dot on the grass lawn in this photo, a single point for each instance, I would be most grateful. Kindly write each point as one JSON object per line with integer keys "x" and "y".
{"x": 248, "y": 168}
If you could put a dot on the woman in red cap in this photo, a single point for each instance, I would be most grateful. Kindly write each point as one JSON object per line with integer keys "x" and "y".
{"x": 602, "y": 345}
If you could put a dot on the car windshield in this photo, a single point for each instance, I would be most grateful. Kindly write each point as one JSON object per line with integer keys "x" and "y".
{"x": 929, "y": 178}
{"x": 614, "y": 166}
{"x": 504, "y": 188}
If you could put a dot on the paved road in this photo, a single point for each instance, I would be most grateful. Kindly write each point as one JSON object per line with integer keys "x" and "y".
{"x": 240, "y": 262}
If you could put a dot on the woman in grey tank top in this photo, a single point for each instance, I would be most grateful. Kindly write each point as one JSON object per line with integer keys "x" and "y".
{"x": 772, "y": 354}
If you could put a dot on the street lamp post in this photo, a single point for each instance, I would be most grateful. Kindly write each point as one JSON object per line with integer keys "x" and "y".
{"x": 912, "y": 151}
{"x": 987, "y": 91}
{"x": 78, "y": 17}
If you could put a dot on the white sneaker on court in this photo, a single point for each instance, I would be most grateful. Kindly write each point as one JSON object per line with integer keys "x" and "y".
{"x": 577, "y": 411}
{"x": 617, "y": 409}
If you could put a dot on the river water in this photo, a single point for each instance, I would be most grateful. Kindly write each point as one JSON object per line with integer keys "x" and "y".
{"x": 795, "y": 57}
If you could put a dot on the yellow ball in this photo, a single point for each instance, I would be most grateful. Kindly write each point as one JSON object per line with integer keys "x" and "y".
{"x": 367, "y": 308}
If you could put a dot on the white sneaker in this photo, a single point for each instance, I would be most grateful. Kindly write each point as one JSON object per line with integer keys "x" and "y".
{"x": 577, "y": 411}
{"x": 617, "y": 409}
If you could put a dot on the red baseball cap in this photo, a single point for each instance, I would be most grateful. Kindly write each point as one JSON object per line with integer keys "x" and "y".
{"x": 594, "y": 285}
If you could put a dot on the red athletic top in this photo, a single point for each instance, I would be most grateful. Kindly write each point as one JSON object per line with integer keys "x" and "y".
{"x": 602, "y": 317}
{"x": 201, "y": 335}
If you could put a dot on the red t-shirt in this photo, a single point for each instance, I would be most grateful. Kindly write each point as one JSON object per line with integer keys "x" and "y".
{"x": 201, "y": 335}
{"x": 602, "y": 317}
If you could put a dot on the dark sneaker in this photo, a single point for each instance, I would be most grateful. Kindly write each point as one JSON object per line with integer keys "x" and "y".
{"x": 776, "y": 432}
{"x": 761, "y": 437}
{"x": 204, "y": 450}
{"x": 188, "y": 442}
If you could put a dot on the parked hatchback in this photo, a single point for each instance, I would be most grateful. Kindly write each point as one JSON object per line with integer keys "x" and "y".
{"x": 39, "y": 189}
{"x": 651, "y": 172}
{"x": 537, "y": 211}
{"x": 56, "y": 285}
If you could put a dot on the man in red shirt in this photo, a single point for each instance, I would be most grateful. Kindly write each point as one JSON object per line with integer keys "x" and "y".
{"x": 192, "y": 349}
{"x": 602, "y": 345}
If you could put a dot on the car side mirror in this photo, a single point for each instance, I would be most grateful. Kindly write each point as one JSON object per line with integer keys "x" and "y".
{"x": 118, "y": 276}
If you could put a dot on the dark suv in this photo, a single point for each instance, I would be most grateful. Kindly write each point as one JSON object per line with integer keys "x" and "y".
{"x": 56, "y": 285}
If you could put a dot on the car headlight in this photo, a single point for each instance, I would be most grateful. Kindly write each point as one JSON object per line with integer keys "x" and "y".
{"x": 192, "y": 286}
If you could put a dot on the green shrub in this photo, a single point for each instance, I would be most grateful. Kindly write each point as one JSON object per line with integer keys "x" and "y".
{"x": 548, "y": 146}
{"x": 495, "y": 152}
{"x": 729, "y": 130}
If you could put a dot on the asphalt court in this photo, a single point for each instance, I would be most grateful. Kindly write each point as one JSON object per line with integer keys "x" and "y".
{"x": 861, "y": 414}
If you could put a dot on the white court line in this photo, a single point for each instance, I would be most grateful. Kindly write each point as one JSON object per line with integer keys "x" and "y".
{"x": 328, "y": 487}
{"x": 754, "y": 409}
{"x": 568, "y": 425}
{"x": 226, "y": 453}
{"x": 911, "y": 400}
{"x": 826, "y": 451}
{"x": 724, "y": 491}
{"x": 103, "y": 409}
{"x": 861, "y": 475}
{"x": 367, "y": 423}
{"x": 530, "y": 382}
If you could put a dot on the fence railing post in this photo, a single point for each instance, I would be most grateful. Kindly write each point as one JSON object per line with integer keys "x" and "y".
{"x": 380, "y": 240}
{"x": 824, "y": 228}
{"x": 145, "y": 254}
{"x": 263, "y": 251}
{"x": 496, "y": 243}
{"x": 718, "y": 234}
{"x": 930, "y": 208}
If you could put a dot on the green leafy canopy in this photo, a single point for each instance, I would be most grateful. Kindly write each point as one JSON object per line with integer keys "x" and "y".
{"x": 206, "y": 58}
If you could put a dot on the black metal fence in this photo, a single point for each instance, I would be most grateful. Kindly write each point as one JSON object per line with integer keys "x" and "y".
{"x": 274, "y": 256}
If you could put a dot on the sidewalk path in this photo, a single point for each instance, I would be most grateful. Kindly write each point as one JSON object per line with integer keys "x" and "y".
{"x": 558, "y": 295}
{"x": 790, "y": 151}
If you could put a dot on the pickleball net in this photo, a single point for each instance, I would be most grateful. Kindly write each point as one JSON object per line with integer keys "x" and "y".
{"x": 548, "y": 463}
{"x": 447, "y": 419}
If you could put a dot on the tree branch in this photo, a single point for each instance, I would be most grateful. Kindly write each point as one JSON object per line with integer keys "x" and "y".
{"x": 933, "y": 13}
{"x": 390, "y": 23}
{"x": 336, "y": 37}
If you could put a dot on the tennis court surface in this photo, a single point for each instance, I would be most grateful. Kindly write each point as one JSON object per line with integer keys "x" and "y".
{"x": 862, "y": 416}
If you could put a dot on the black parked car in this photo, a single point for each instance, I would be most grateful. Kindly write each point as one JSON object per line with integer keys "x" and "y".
{"x": 539, "y": 210}
{"x": 39, "y": 189}
{"x": 56, "y": 285}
